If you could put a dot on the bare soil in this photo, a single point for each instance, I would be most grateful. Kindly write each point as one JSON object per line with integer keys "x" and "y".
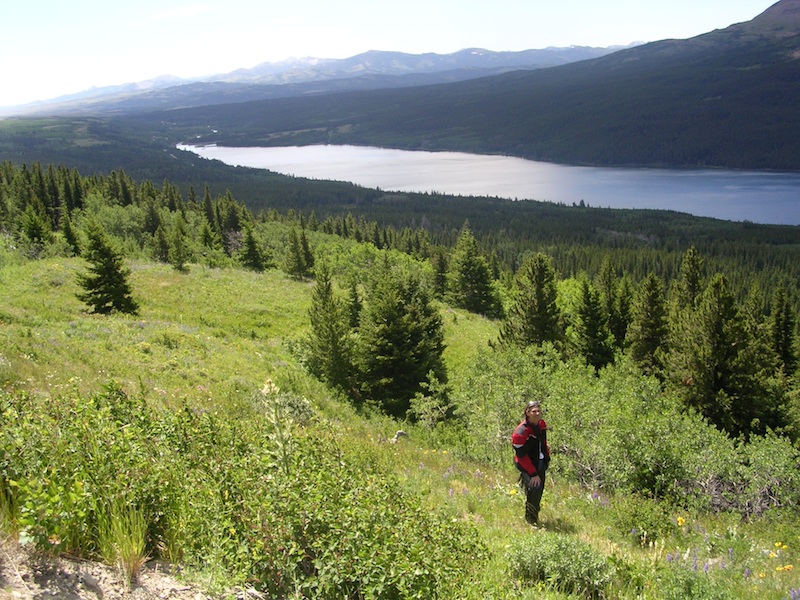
{"x": 26, "y": 576}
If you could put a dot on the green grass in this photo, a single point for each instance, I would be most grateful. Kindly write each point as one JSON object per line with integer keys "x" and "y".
{"x": 212, "y": 338}
{"x": 197, "y": 335}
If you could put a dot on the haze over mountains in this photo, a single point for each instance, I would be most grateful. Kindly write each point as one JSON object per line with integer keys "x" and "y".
{"x": 370, "y": 70}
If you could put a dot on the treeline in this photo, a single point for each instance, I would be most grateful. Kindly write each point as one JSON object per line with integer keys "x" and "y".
{"x": 725, "y": 346}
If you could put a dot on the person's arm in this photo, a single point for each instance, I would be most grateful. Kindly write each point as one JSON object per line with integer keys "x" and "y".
{"x": 523, "y": 460}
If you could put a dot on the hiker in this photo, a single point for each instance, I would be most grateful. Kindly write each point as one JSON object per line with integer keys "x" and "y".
{"x": 531, "y": 457}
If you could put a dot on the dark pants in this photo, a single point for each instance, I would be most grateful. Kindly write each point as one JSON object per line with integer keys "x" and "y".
{"x": 533, "y": 499}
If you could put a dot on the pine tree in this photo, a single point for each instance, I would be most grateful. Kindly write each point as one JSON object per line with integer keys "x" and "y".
{"x": 295, "y": 265}
{"x": 69, "y": 234}
{"x": 469, "y": 278}
{"x": 308, "y": 255}
{"x": 329, "y": 355}
{"x": 690, "y": 282}
{"x": 161, "y": 245}
{"x": 534, "y": 317}
{"x": 401, "y": 340}
{"x": 179, "y": 253}
{"x": 649, "y": 329}
{"x": 715, "y": 367}
{"x": 106, "y": 287}
{"x": 595, "y": 342}
{"x": 783, "y": 323}
{"x": 252, "y": 257}
{"x": 354, "y": 305}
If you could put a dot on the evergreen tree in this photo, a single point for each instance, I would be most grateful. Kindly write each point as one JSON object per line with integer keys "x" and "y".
{"x": 208, "y": 237}
{"x": 106, "y": 287}
{"x": 401, "y": 340}
{"x": 534, "y": 317}
{"x": 308, "y": 255}
{"x": 152, "y": 218}
{"x": 649, "y": 330}
{"x": 783, "y": 325}
{"x": 329, "y": 355}
{"x": 690, "y": 281}
{"x": 623, "y": 313}
{"x": 595, "y": 342}
{"x": 469, "y": 278}
{"x": 295, "y": 265}
{"x": 439, "y": 262}
{"x": 354, "y": 305}
{"x": 161, "y": 245}
{"x": 251, "y": 256}
{"x": 713, "y": 366}
{"x": 179, "y": 252}
{"x": 35, "y": 226}
{"x": 208, "y": 209}
{"x": 69, "y": 234}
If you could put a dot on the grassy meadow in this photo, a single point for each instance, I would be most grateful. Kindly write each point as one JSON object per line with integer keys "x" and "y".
{"x": 193, "y": 428}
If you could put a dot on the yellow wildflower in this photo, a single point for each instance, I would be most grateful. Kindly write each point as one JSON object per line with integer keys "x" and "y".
{"x": 778, "y": 544}
{"x": 762, "y": 575}
{"x": 681, "y": 521}
{"x": 772, "y": 555}
{"x": 779, "y": 568}
{"x": 788, "y": 567}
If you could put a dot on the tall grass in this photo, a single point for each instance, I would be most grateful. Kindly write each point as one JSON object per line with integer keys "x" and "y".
{"x": 122, "y": 538}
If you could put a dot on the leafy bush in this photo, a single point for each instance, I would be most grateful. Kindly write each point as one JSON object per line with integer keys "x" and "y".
{"x": 562, "y": 562}
{"x": 679, "y": 583}
{"x": 619, "y": 431}
{"x": 262, "y": 496}
{"x": 641, "y": 519}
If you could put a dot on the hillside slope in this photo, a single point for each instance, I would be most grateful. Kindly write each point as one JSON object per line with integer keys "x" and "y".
{"x": 727, "y": 98}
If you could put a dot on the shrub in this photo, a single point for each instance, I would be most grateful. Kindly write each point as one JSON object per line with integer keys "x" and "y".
{"x": 562, "y": 562}
{"x": 642, "y": 520}
{"x": 679, "y": 583}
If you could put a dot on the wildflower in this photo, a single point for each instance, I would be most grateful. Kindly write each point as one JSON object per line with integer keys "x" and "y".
{"x": 779, "y": 568}
{"x": 772, "y": 555}
{"x": 778, "y": 544}
{"x": 788, "y": 567}
{"x": 681, "y": 521}
{"x": 761, "y": 575}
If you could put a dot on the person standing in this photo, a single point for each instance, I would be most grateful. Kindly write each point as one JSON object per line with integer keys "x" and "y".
{"x": 531, "y": 457}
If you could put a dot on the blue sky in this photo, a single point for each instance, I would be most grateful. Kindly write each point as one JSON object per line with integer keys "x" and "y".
{"x": 53, "y": 47}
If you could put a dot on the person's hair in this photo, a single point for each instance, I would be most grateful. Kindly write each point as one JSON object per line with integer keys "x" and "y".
{"x": 529, "y": 405}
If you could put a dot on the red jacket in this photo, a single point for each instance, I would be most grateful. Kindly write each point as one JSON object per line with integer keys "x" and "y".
{"x": 530, "y": 446}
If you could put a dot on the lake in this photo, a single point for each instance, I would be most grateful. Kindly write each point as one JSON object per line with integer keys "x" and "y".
{"x": 760, "y": 197}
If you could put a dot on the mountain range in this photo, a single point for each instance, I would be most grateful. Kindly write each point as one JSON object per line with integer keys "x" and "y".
{"x": 370, "y": 70}
{"x": 729, "y": 98}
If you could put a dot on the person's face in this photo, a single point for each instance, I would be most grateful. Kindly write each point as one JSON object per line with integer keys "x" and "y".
{"x": 533, "y": 414}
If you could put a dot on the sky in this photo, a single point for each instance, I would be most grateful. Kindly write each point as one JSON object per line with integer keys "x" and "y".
{"x": 53, "y": 47}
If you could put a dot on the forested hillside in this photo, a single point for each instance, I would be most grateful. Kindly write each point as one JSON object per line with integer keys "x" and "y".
{"x": 246, "y": 371}
{"x": 726, "y": 98}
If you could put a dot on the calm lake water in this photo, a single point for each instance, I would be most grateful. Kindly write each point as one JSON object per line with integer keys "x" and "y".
{"x": 732, "y": 195}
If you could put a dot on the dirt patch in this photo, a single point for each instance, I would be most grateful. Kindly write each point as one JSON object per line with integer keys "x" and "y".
{"x": 25, "y": 576}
